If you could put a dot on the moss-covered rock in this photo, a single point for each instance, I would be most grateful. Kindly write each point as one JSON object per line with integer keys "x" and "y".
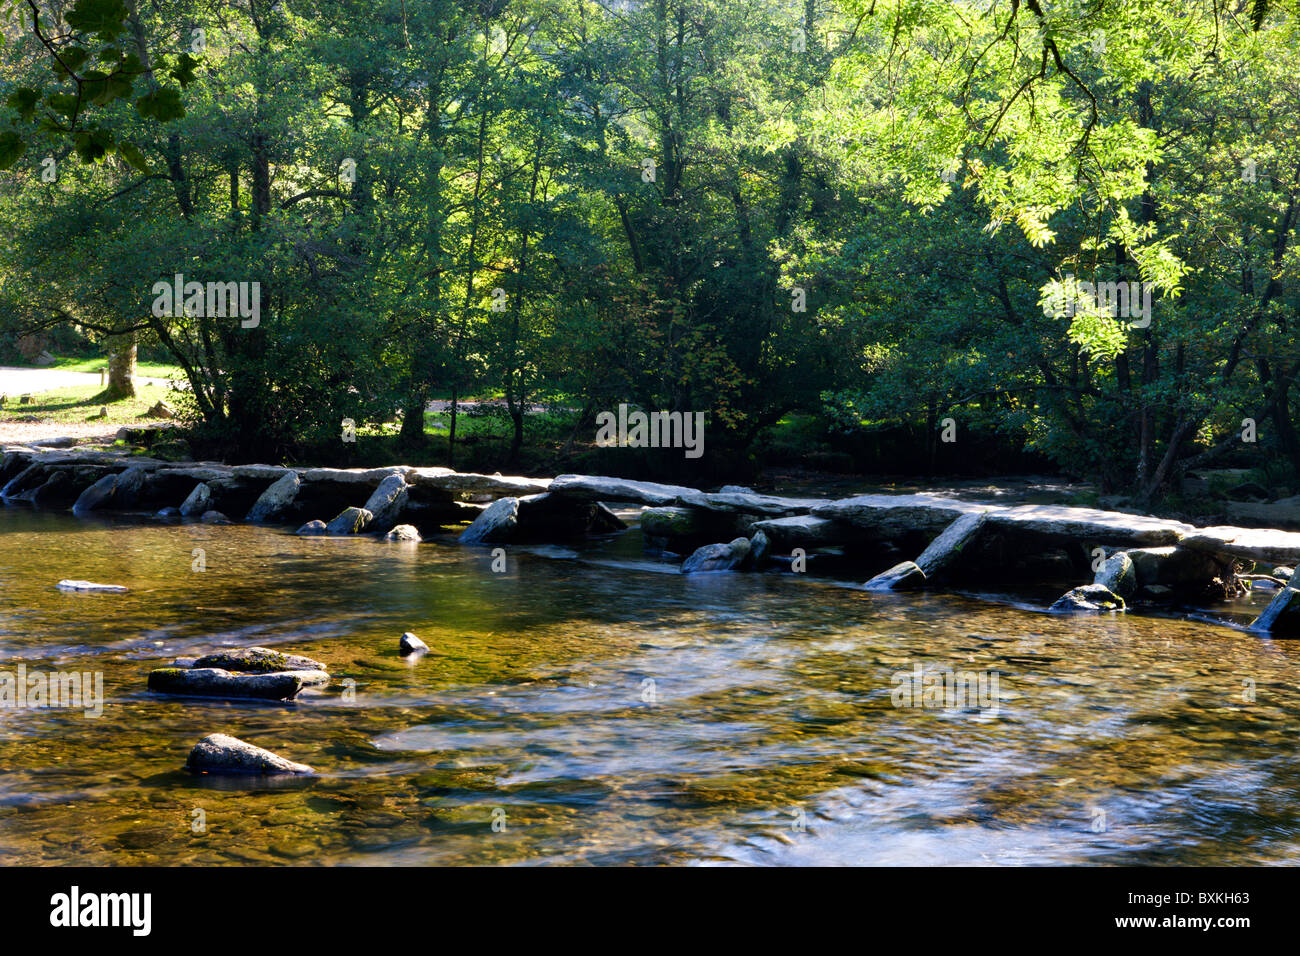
{"x": 1092, "y": 598}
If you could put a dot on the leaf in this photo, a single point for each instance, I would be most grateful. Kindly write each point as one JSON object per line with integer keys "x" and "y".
{"x": 102, "y": 89}
{"x": 24, "y": 100}
{"x": 107, "y": 18}
{"x": 162, "y": 104}
{"x": 91, "y": 145}
{"x": 11, "y": 147}
{"x": 183, "y": 71}
{"x": 70, "y": 60}
{"x": 133, "y": 156}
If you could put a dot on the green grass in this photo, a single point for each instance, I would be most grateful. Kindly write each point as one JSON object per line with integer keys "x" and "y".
{"x": 81, "y": 403}
{"x": 95, "y": 363}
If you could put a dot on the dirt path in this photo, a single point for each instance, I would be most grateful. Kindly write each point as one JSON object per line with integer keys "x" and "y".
{"x": 15, "y": 381}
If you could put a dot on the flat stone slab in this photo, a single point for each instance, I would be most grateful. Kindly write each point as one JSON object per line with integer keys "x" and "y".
{"x": 1089, "y": 524}
{"x": 893, "y": 515}
{"x": 749, "y": 503}
{"x": 1258, "y": 544}
{"x": 468, "y": 483}
{"x": 803, "y": 531}
{"x": 221, "y": 753}
{"x": 260, "y": 472}
{"x": 597, "y": 488}
{"x": 352, "y": 476}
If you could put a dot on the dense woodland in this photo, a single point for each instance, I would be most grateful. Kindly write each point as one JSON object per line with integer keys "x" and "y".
{"x": 836, "y": 227}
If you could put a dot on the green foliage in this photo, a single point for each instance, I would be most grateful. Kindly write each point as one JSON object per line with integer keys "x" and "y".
{"x": 557, "y": 202}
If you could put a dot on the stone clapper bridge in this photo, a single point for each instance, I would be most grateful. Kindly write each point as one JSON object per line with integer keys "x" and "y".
{"x": 1142, "y": 560}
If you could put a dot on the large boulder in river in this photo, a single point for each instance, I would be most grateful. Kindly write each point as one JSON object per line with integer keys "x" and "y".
{"x": 1282, "y": 616}
{"x": 113, "y": 491}
{"x": 671, "y": 522}
{"x": 349, "y": 521}
{"x": 901, "y": 577}
{"x": 198, "y": 501}
{"x": 221, "y": 753}
{"x": 277, "y": 499}
{"x": 803, "y": 531}
{"x": 218, "y": 682}
{"x": 497, "y": 522}
{"x": 129, "y": 488}
{"x": 718, "y": 557}
{"x": 945, "y": 551}
{"x": 385, "y": 504}
{"x": 96, "y": 496}
{"x": 1089, "y": 598}
{"x": 1185, "y": 571}
{"x": 1117, "y": 574}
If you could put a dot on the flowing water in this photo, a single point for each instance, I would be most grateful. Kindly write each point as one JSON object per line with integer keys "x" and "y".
{"x": 591, "y": 705}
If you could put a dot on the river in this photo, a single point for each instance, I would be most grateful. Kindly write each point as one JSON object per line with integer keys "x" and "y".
{"x": 592, "y": 705}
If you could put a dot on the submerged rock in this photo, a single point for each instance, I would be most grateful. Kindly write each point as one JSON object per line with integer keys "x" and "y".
{"x": 168, "y": 512}
{"x": 349, "y": 521}
{"x": 214, "y": 517}
{"x": 901, "y": 577}
{"x": 258, "y": 660}
{"x": 1090, "y": 597}
{"x": 315, "y": 526}
{"x": 410, "y": 644}
{"x": 403, "y": 532}
{"x": 221, "y": 753}
{"x": 718, "y": 557}
{"x": 497, "y": 522}
{"x": 69, "y": 585}
{"x": 217, "y": 682}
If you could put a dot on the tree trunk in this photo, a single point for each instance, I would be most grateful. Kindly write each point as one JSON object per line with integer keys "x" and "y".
{"x": 121, "y": 370}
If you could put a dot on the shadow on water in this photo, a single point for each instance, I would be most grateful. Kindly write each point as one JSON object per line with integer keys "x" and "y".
{"x": 591, "y": 705}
